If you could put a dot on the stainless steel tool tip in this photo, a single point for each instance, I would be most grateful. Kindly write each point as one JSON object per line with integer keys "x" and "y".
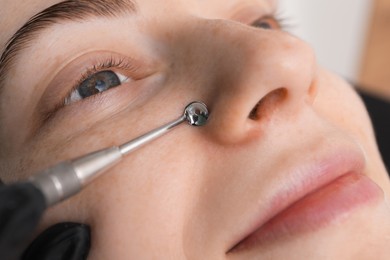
{"x": 196, "y": 113}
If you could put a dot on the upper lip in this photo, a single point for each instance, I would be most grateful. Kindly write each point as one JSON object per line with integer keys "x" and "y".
{"x": 303, "y": 179}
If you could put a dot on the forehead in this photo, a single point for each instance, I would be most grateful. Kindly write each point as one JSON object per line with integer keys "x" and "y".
{"x": 15, "y": 13}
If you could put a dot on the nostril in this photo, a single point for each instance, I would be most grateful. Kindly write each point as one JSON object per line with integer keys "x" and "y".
{"x": 267, "y": 105}
{"x": 253, "y": 114}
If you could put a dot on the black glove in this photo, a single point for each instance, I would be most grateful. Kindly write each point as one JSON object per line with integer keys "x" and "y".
{"x": 70, "y": 241}
{"x": 21, "y": 208}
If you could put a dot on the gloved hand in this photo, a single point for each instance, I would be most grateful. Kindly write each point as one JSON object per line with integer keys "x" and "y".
{"x": 21, "y": 208}
{"x": 70, "y": 241}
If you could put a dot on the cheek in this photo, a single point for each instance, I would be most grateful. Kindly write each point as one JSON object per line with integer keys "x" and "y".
{"x": 339, "y": 103}
{"x": 145, "y": 197}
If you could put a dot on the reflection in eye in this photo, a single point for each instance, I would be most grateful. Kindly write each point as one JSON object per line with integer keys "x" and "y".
{"x": 268, "y": 23}
{"x": 96, "y": 83}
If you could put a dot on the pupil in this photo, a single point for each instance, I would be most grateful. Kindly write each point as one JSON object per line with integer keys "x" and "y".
{"x": 100, "y": 85}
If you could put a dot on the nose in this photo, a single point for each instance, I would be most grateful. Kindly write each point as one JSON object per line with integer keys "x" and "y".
{"x": 251, "y": 76}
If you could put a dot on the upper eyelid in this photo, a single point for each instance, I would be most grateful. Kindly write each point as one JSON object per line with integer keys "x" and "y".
{"x": 247, "y": 13}
{"x": 104, "y": 64}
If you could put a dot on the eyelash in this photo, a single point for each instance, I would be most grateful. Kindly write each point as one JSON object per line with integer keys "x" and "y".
{"x": 286, "y": 23}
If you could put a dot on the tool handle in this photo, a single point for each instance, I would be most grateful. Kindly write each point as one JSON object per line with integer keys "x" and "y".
{"x": 57, "y": 183}
{"x": 67, "y": 178}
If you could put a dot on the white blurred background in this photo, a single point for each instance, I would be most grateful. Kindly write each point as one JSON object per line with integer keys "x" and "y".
{"x": 335, "y": 29}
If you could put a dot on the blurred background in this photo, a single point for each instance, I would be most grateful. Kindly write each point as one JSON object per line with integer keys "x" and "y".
{"x": 350, "y": 37}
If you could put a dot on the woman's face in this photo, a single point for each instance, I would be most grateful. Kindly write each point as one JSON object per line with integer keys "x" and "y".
{"x": 287, "y": 149}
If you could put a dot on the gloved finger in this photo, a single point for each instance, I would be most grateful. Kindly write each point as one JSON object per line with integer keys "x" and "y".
{"x": 70, "y": 241}
{"x": 21, "y": 207}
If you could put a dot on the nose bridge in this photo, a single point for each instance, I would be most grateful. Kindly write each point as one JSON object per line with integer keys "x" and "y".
{"x": 239, "y": 65}
{"x": 213, "y": 47}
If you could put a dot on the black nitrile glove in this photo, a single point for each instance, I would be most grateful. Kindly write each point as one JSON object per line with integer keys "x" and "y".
{"x": 70, "y": 241}
{"x": 21, "y": 208}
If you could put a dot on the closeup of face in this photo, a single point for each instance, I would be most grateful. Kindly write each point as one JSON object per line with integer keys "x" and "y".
{"x": 286, "y": 168}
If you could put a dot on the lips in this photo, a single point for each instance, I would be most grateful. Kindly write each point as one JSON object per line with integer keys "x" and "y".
{"x": 318, "y": 193}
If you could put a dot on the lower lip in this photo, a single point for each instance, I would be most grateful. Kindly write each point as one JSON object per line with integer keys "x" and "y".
{"x": 316, "y": 210}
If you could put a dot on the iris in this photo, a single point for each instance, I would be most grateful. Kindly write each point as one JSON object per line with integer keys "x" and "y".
{"x": 98, "y": 82}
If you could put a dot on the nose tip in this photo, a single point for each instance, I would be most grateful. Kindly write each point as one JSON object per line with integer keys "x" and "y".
{"x": 276, "y": 80}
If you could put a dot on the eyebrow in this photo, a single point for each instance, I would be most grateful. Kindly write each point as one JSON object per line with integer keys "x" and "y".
{"x": 66, "y": 11}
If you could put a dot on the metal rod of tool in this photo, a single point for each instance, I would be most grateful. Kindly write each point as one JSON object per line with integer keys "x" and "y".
{"x": 146, "y": 138}
{"x": 68, "y": 178}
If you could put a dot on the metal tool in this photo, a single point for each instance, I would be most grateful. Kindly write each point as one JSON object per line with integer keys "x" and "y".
{"x": 68, "y": 178}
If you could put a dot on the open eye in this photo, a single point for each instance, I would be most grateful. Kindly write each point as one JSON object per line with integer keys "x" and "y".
{"x": 94, "y": 84}
{"x": 268, "y": 23}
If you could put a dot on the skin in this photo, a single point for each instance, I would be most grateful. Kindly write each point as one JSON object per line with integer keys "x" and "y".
{"x": 187, "y": 194}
